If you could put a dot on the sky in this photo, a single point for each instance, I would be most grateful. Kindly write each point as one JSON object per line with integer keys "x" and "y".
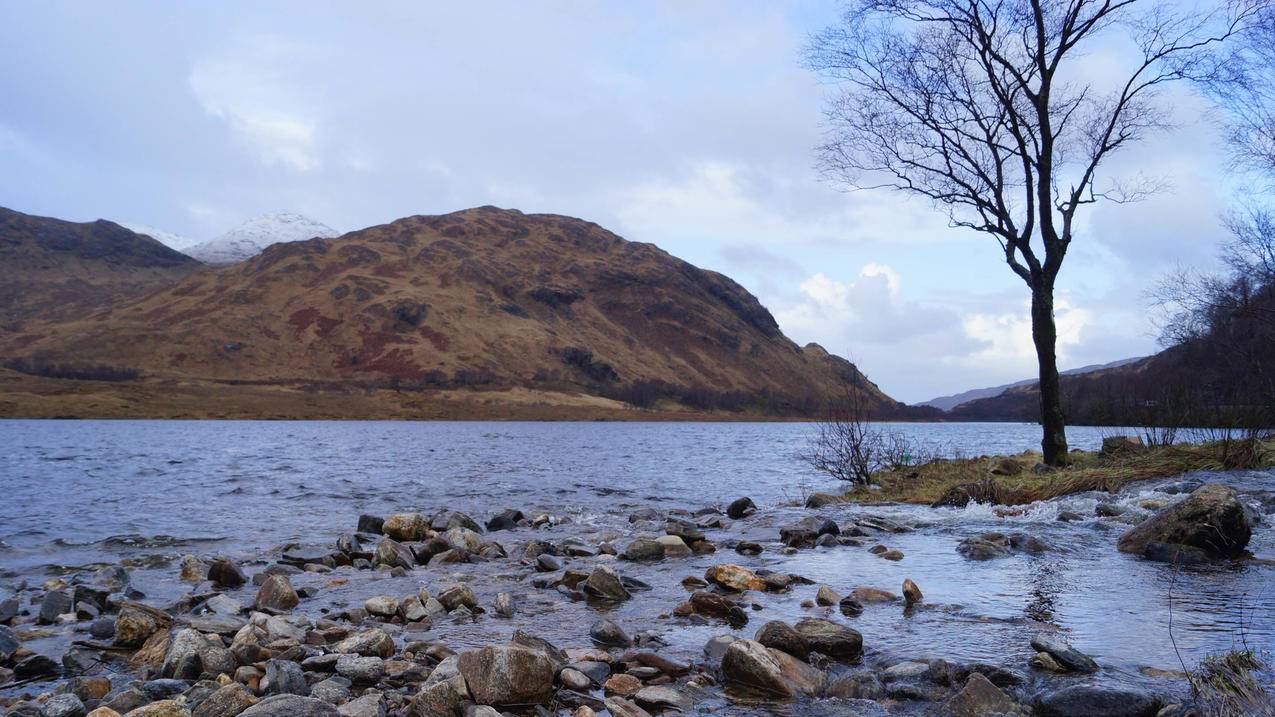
{"x": 689, "y": 124}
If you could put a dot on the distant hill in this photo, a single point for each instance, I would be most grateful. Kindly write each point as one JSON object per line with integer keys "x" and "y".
{"x": 169, "y": 239}
{"x": 947, "y": 403}
{"x": 254, "y": 236}
{"x": 54, "y": 269}
{"x": 479, "y": 300}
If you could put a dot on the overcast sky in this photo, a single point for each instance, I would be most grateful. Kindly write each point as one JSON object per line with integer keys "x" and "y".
{"x": 687, "y": 124}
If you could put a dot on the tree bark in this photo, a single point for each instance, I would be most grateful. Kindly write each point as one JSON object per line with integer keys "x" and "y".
{"x": 1045, "y": 335}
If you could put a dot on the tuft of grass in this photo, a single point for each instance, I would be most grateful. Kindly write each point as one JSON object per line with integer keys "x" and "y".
{"x": 1087, "y": 471}
{"x": 1238, "y": 683}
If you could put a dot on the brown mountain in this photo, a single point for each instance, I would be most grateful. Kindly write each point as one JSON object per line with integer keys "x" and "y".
{"x": 53, "y": 269}
{"x": 485, "y": 300}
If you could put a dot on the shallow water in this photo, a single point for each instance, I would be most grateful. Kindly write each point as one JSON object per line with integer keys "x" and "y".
{"x": 78, "y": 493}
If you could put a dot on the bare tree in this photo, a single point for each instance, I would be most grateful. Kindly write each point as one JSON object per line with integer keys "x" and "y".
{"x": 980, "y": 107}
{"x": 844, "y": 444}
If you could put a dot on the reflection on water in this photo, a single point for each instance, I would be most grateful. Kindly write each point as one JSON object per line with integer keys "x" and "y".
{"x": 81, "y": 493}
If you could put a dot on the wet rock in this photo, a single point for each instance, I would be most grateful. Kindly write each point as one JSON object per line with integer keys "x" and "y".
{"x": 1109, "y": 510}
{"x": 1070, "y": 516}
{"x": 661, "y": 697}
{"x": 182, "y": 660}
{"x": 673, "y": 546}
{"x": 958, "y": 496}
{"x": 463, "y": 538}
{"x": 1096, "y": 701}
{"x": 8, "y": 610}
{"x": 622, "y": 684}
{"x": 360, "y": 670}
{"x": 748, "y": 547}
{"x": 741, "y": 508}
{"x": 547, "y": 564}
{"x": 163, "y": 708}
{"x": 905, "y": 671}
{"x": 382, "y": 606}
{"x": 734, "y": 578}
{"x": 405, "y": 527}
{"x": 54, "y": 604}
{"x": 284, "y": 677}
{"x": 827, "y": 541}
{"x": 868, "y": 595}
{"x": 713, "y": 605}
{"x": 448, "y": 519}
{"x": 604, "y": 584}
{"x": 819, "y": 500}
{"x": 1064, "y": 654}
{"x": 1211, "y": 519}
{"x": 574, "y": 679}
{"x": 291, "y": 706}
{"x": 981, "y": 548}
{"x": 507, "y": 675}
{"x": 1175, "y": 553}
{"x": 444, "y": 693}
{"x": 226, "y": 701}
{"x": 457, "y": 595}
{"x": 826, "y": 596}
{"x": 805, "y": 531}
{"x": 620, "y": 707}
{"x": 276, "y": 593}
{"x": 981, "y": 698}
{"x": 779, "y": 635}
{"x": 63, "y": 706}
{"x": 369, "y": 643}
{"x": 507, "y": 519}
{"x": 752, "y": 667}
{"x": 393, "y": 554}
{"x": 1045, "y": 661}
{"x": 224, "y": 573}
{"x": 609, "y": 634}
{"x": 911, "y": 593}
{"x": 850, "y": 606}
{"x": 503, "y": 605}
{"x": 832, "y": 639}
{"x": 135, "y": 624}
{"x": 684, "y": 529}
{"x": 893, "y": 554}
{"x": 371, "y": 524}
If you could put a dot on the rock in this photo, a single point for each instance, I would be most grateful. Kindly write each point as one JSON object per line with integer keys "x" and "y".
{"x": 54, "y": 604}
{"x": 360, "y": 670}
{"x": 573, "y": 679}
{"x": 754, "y": 668}
{"x": 135, "y": 624}
{"x": 1095, "y": 701}
{"x": 381, "y": 606}
{"x": 334, "y": 690}
{"x": 224, "y": 573}
{"x": 507, "y": 519}
{"x": 163, "y": 708}
{"x": 620, "y": 707}
{"x": 405, "y": 527}
{"x": 547, "y": 564}
{"x": 741, "y": 508}
{"x": 1044, "y": 661}
{"x": 369, "y": 643}
{"x": 981, "y": 698}
{"x": 371, "y": 524}
{"x": 604, "y": 584}
{"x": 819, "y": 500}
{"x": 1069, "y": 657}
{"x": 609, "y": 634}
{"x": 779, "y": 635}
{"x": 193, "y": 569}
{"x": 661, "y": 697}
{"x": 463, "y": 538}
{"x": 63, "y": 706}
{"x": 35, "y": 666}
{"x": 673, "y": 546}
{"x": 276, "y": 593}
{"x": 713, "y": 605}
{"x": 411, "y": 609}
{"x": 369, "y": 705}
{"x": 749, "y": 547}
{"x": 895, "y": 555}
{"x": 958, "y": 496}
{"x": 291, "y": 706}
{"x": 734, "y": 578}
{"x": 850, "y": 606}
{"x": 832, "y": 639}
{"x": 868, "y": 595}
{"x": 622, "y": 684}
{"x": 1006, "y": 467}
{"x": 284, "y": 677}
{"x": 1212, "y": 519}
{"x": 979, "y": 548}
{"x": 805, "y": 531}
{"x": 503, "y": 605}
{"x": 164, "y": 689}
{"x": 182, "y": 661}
{"x": 393, "y": 554}
{"x": 226, "y": 701}
{"x": 905, "y": 671}
{"x": 684, "y": 529}
{"x": 1115, "y": 445}
{"x": 826, "y": 596}
{"x": 1109, "y": 510}
{"x": 457, "y": 595}
{"x": 444, "y": 693}
{"x": 1070, "y": 516}
{"x": 103, "y": 712}
{"x": 502, "y": 675}
{"x": 911, "y": 593}
{"x": 1175, "y": 553}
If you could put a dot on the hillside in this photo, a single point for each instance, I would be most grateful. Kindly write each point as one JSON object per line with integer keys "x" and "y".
{"x": 253, "y": 236}
{"x": 481, "y": 300}
{"x": 54, "y": 269}
{"x": 947, "y": 403}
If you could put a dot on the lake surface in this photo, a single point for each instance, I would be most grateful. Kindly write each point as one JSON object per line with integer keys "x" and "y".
{"x": 84, "y": 493}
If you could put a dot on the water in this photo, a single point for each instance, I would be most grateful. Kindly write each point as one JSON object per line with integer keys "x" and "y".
{"x": 83, "y": 493}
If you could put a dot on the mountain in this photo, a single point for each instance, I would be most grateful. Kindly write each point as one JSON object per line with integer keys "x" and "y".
{"x": 169, "y": 239}
{"x": 54, "y": 269}
{"x": 947, "y": 403}
{"x": 253, "y": 236}
{"x": 545, "y": 307}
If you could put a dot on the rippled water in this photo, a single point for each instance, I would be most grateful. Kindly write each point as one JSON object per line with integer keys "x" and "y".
{"x": 77, "y": 493}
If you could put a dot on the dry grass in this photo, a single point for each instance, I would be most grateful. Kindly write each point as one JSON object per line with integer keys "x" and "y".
{"x": 1087, "y": 472}
{"x": 1234, "y": 684}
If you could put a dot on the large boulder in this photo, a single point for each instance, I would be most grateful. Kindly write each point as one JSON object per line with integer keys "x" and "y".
{"x": 501, "y": 675}
{"x": 1211, "y": 519}
{"x": 830, "y": 638}
{"x": 1096, "y": 701}
{"x": 751, "y": 667}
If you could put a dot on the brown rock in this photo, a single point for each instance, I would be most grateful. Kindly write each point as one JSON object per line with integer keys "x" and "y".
{"x": 751, "y": 667}
{"x": 502, "y": 675}
{"x": 871, "y": 595}
{"x": 622, "y": 684}
{"x": 1212, "y": 519}
{"x": 734, "y": 578}
{"x": 276, "y": 593}
{"x": 980, "y": 698}
{"x": 911, "y": 593}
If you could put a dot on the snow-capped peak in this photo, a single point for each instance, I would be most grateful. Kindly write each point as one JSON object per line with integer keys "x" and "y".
{"x": 253, "y": 236}
{"x": 168, "y": 239}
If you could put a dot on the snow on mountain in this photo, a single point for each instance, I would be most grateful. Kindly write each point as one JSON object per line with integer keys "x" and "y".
{"x": 168, "y": 239}
{"x": 252, "y": 237}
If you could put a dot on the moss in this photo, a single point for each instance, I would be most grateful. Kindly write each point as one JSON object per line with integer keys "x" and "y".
{"x": 1087, "y": 472}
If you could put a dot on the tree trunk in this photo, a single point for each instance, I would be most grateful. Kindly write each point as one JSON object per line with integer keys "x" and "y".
{"x": 1045, "y": 335}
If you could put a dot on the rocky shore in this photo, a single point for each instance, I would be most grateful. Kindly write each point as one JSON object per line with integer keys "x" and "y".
{"x": 311, "y": 633}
